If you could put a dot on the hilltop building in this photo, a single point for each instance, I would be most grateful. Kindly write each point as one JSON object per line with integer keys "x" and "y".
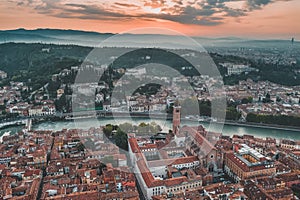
{"x": 3, "y": 74}
{"x": 237, "y": 68}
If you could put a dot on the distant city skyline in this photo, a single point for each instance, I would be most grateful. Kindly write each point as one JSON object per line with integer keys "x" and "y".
{"x": 206, "y": 18}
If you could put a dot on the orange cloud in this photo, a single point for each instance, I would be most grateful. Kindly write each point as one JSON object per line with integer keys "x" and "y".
{"x": 204, "y": 17}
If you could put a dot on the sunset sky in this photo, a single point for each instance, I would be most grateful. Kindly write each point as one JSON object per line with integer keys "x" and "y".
{"x": 208, "y": 18}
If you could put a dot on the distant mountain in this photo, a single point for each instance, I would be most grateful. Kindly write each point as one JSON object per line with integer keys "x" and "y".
{"x": 6, "y": 36}
{"x": 56, "y": 36}
{"x": 87, "y": 38}
{"x": 57, "y": 32}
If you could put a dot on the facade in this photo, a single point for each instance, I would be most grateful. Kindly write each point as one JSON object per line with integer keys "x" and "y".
{"x": 236, "y": 69}
{"x": 3, "y": 74}
{"x": 42, "y": 110}
{"x": 199, "y": 146}
{"x": 176, "y": 119}
{"x": 290, "y": 144}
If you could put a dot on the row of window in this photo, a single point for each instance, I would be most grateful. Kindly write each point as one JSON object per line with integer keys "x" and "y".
{"x": 193, "y": 185}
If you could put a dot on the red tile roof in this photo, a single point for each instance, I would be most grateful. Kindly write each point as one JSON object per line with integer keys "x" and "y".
{"x": 175, "y": 181}
{"x": 237, "y": 162}
{"x": 206, "y": 146}
{"x": 134, "y": 145}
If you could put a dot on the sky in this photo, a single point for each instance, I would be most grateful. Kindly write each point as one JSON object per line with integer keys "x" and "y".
{"x": 207, "y": 18}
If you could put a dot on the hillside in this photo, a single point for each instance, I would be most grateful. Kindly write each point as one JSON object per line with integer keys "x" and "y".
{"x": 38, "y": 61}
{"x": 35, "y": 63}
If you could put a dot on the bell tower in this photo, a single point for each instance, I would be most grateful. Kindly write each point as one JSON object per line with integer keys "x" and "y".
{"x": 176, "y": 118}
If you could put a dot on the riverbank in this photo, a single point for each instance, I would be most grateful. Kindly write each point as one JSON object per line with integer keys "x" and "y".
{"x": 10, "y": 125}
{"x": 230, "y": 128}
{"x": 142, "y": 115}
{"x": 261, "y": 125}
{"x": 227, "y": 122}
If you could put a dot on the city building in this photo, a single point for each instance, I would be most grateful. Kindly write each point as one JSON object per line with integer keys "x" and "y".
{"x": 3, "y": 74}
{"x": 246, "y": 163}
{"x": 172, "y": 165}
{"x": 236, "y": 68}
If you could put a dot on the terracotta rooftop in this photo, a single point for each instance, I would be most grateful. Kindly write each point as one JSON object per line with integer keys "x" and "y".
{"x": 134, "y": 145}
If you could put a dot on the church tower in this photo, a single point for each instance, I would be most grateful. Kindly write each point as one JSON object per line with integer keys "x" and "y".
{"x": 176, "y": 118}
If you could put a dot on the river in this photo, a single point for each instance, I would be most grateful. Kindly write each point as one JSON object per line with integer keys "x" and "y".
{"x": 166, "y": 125}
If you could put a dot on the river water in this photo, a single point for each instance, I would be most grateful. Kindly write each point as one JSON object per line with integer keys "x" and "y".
{"x": 166, "y": 125}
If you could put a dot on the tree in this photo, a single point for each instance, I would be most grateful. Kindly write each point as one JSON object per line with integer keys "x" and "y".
{"x": 143, "y": 128}
{"x": 205, "y": 108}
{"x": 107, "y": 130}
{"x": 267, "y": 99}
{"x": 60, "y": 104}
{"x": 170, "y": 108}
{"x": 154, "y": 128}
{"x": 274, "y": 119}
{"x": 126, "y": 127}
{"x": 121, "y": 139}
{"x": 247, "y": 100}
{"x": 142, "y": 124}
{"x": 232, "y": 114}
